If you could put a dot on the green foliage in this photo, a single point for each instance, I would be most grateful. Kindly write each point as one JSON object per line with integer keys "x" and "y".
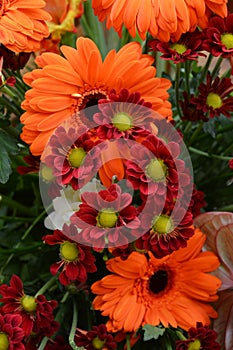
{"x": 8, "y": 147}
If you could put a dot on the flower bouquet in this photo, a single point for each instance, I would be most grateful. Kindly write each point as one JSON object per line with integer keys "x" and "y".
{"x": 116, "y": 175}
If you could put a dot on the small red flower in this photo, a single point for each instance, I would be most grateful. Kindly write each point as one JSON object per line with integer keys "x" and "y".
{"x": 97, "y": 338}
{"x": 11, "y": 332}
{"x": 37, "y": 313}
{"x": 76, "y": 259}
{"x": 230, "y": 163}
{"x": 33, "y": 165}
{"x": 214, "y": 97}
{"x": 189, "y": 109}
{"x": 188, "y": 47}
{"x": 106, "y": 216}
{"x": 123, "y": 115}
{"x": 154, "y": 168}
{"x": 57, "y": 344}
{"x": 200, "y": 337}
{"x": 70, "y": 159}
{"x": 219, "y": 36}
{"x": 170, "y": 230}
{"x": 197, "y": 202}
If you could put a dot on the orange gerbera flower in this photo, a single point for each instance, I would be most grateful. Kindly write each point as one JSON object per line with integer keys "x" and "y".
{"x": 22, "y": 24}
{"x": 66, "y": 85}
{"x": 163, "y": 19}
{"x": 173, "y": 291}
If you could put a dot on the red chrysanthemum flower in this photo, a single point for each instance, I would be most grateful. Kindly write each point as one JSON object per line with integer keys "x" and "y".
{"x": 230, "y": 163}
{"x": 189, "y": 109}
{"x": 201, "y": 337}
{"x": 106, "y": 217}
{"x": 11, "y": 332}
{"x": 154, "y": 168}
{"x": 36, "y": 312}
{"x": 219, "y": 36}
{"x": 188, "y": 47}
{"x": 97, "y": 338}
{"x": 214, "y": 97}
{"x": 123, "y": 115}
{"x": 197, "y": 202}
{"x": 58, "y": 343}
{"x": 76, "y": 259}
{"x": 169, "y": 231}
{"x": 70, "y": 158}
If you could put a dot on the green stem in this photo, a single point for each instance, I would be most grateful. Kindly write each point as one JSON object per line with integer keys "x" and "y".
{"x": 128, "y": 346}
{"x": 43, "y": 343}
{"x": 196, "y": 132}
{"x": 180, "y": 335}
{"x": 187, "y": 76}
{"x": 205, "y": 154}
{"x": 226, "y": 208}
{"x": 216, "y": 68}
{"x": 177, "y": 85}
{"x": 9, "y": 202}
{"x": 205, "y": 70}
{"x": 46, "y": 286}
{"x": 73, "y": 329}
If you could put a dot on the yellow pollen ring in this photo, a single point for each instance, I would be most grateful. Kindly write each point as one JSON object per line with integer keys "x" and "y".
{"x": 97, "y": 343}
{"x": 214, "y": 100}
{"x": 162, "y": 224}
{"x": 69, "y": 251}
{"x": 76, "y": 157}
{"x": 195, "y": 345}
{"x": 107, "y": 218}
{"x": 4, "y": 342}
{"x": 227, "y": 40}
{"x": 179, "y": 48}
{"x": 28, "y": 303}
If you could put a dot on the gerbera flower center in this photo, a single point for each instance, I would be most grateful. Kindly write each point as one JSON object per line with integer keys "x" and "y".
{"x": 46, "y": 173}
{"x": 156, "y": 170}
{"x": 227, "y": 40}
{"x": 76, "y": 157}
{"x": 158, "y": 281}
{"x": 195, "y": 345}
{"x": 179, "y": 48}
{"x": 4, "y": 342}
{"x": 69, "y": 251}
{"x": 107, "y": 218}
{"x": 162, "y": 224}
{"x": 28, "y": 303}
{"x": 122, "y": 121}
{"x": 97, "y": 343}
{"x": 214, "y": 100}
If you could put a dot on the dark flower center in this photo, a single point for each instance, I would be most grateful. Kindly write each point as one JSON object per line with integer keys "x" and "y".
{"x": 158, "y": 281}
{"x": 91, "y": 98}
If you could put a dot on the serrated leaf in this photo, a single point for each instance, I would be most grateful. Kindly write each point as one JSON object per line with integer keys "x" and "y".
{"x": 152, "y": 332}
{"x": 8, "y": 146}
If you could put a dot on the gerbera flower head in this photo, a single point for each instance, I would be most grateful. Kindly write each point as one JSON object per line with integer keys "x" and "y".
{"x": 106, "y": 218}
{"x": 36, "y": 312}
{"x": 70, "y": 156}
{"x": 22, "y": 24}
{"x": 78, "y": 80}
{"x": 76, "y": 259}
{"x": 97, "y": 338}
{"x": 123, "y": 115}
{"x": 218, "y": 37}
{"x": 200, "y": 337}
{"x": 11, "y": 332}
{"x": 214, "y": 97}
{"x": 143, "y": 290}
{"x": 188, "y": 47}
{"x": 161, "y": 19}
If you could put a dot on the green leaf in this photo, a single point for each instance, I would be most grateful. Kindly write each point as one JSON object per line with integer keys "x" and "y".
{"x": 152, "y": 332}
{"x": 8, "y": 146}
{"x": 210, "y": 128}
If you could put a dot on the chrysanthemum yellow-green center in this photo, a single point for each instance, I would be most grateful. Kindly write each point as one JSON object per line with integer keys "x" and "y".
{"x": 28, "y": 303}
{"x": 195, "y": 345}
{"x": 97, "y": 343}
{"x": 214, "y": 100}
{"x": 107, "y": 218}
{"x": 179, "y": 48}
{"x": 46, "y": 173}
{"x": 122, "y": 121}
{"x": 69, "y": 251}
{"x": 76, "y": 157}
{"x": 4, "y": 342}
{"x": 156, "y": 170}
{"x": 227, "y": 40}
{"x": 162, "y": 224}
